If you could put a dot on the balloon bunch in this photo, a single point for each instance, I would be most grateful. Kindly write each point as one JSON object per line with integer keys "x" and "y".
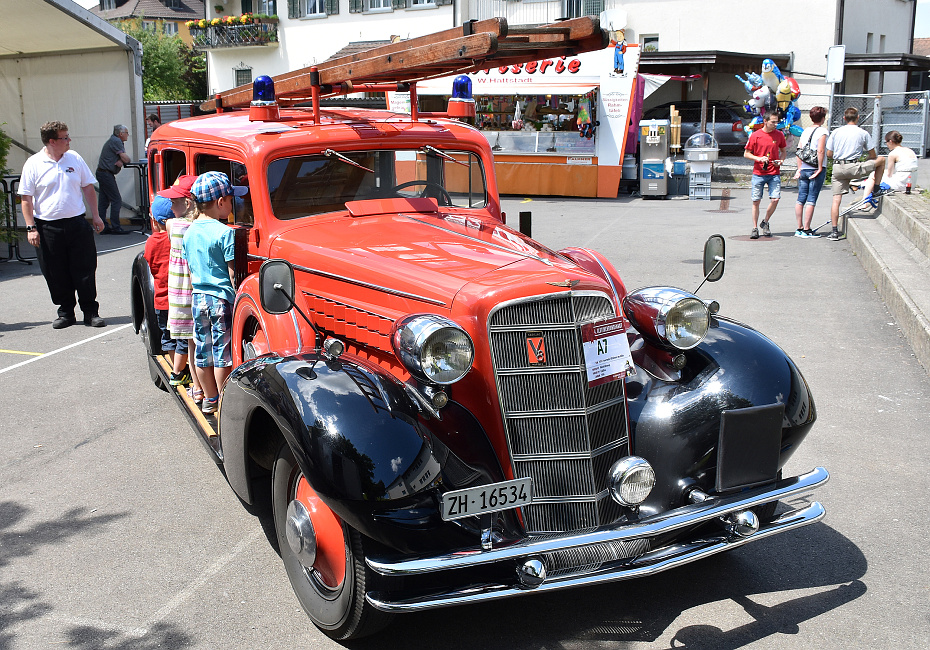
{"x": 772, "y": 91}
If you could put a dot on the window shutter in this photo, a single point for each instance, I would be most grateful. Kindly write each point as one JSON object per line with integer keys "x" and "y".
{"x": 332, "y": 7}
{"x": 246, "y": 6}
{"x": 356, "y": 6}
{"x": 293, "y": 10}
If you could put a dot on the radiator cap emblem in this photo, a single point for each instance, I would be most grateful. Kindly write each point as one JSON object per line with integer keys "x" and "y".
{"x": 568, "y": 284}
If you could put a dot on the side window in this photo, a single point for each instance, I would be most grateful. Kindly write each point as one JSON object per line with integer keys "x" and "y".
{"x": 238, "y": 175}
{"x": 173, "y": 164}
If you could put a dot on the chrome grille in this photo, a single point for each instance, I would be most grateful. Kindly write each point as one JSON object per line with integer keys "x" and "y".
{"x": 587, "y": 559}
{"x": 561, "y": 433}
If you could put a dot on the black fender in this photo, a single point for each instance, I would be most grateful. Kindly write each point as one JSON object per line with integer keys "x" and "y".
{"x": 675, "y": 425}
{"x": 363, "y": 444}
{"x": 142, "y": 298}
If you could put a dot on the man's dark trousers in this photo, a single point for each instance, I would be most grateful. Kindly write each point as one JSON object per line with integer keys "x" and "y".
{"x": 68, "y": 259}
{"x": 109, "y": 196}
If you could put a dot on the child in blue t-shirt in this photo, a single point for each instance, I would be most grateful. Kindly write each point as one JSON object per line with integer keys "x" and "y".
{"x": 209, "y": 249}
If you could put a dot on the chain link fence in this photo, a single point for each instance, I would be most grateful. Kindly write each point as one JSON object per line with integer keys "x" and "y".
{"x": 878, "y": 114}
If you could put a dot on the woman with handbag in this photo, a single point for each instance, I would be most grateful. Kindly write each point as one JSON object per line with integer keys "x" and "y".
{"x": 811, "y": 172}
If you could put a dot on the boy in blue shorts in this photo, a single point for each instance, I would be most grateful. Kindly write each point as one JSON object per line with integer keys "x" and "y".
{"x": 209, "y": 249}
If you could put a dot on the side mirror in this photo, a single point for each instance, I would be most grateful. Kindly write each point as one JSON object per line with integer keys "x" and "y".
{"x": 276, "y": 286}
{"x": 714, "y": 258}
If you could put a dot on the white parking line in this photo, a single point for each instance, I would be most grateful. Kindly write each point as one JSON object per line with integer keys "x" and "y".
{"x": 67, "y": 347}
{"x": 122, "y": 248}
{"x": 208, "y": 573}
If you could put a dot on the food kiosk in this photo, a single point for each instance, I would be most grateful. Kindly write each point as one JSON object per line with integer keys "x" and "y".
{"x": 558, "y": 127}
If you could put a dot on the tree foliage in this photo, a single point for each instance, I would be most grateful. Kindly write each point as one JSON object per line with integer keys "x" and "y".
{"x": 171, "y": 71}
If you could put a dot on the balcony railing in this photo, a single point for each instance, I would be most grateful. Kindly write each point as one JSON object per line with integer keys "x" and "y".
{"x": 217, "y": 36}
{"x": 535, "y": 12}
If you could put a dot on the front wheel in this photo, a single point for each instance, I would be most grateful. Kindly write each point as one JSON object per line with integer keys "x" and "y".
{"x": 325, "y": 560}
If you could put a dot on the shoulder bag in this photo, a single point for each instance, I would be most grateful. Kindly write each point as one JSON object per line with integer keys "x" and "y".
{"x": 806, "y": 154}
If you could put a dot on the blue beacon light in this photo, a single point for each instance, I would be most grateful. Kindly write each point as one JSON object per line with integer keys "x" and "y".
{"x": 461, "y": 104}
{"x": 263, "y": 90}
{"x": 461, "y": 87}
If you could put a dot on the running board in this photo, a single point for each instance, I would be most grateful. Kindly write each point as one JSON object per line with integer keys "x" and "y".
{"x": 206, "y": 426}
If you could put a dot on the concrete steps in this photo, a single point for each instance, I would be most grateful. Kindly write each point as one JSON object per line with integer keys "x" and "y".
{"x": 894, "y": 248}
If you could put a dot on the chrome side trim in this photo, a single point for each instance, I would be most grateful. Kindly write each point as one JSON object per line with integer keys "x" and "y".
{"x": 300, "y": 342}
{"x": 660, "y": 524}
{"x": 368, "y": 285}
{"x": 652, "y": 562}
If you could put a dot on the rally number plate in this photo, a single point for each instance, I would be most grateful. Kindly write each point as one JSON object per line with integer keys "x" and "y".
{"x": 487, "y": 498}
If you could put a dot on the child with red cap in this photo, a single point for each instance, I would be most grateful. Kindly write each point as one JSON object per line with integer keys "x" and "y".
{"x": 180, "y": 319}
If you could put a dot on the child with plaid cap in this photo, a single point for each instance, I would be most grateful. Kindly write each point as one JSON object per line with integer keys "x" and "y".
{"x": 157, "y": 249}
{"x": 209, "y": 249}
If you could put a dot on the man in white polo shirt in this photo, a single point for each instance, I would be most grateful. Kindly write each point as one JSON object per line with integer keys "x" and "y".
{"x": 54, "y": 185}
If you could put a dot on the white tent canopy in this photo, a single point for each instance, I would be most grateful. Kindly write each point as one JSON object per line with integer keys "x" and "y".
{"x": 60, "y": 62}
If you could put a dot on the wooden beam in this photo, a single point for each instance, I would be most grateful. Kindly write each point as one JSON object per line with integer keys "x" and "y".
{"x": 471, "y": 47}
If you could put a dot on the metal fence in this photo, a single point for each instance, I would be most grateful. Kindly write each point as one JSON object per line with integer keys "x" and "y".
{"x": 906, "y": 113}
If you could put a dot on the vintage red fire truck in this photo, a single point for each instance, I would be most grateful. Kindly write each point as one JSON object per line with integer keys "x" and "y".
{"x": 436, "y": 409}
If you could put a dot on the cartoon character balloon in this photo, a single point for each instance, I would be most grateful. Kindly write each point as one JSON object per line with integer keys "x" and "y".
{"x": 771, "y": 90}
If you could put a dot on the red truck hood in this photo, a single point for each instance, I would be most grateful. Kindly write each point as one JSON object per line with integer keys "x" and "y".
{"x": 409, "y": 247}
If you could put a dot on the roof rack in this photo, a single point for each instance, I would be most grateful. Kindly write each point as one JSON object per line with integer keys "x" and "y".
{"x": 474, "y": 46}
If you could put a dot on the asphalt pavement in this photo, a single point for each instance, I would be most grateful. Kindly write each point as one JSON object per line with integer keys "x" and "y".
{"x": 118, "y": 532}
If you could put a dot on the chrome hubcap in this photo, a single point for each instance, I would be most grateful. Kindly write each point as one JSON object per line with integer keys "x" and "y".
{"x": 300, "y": 534}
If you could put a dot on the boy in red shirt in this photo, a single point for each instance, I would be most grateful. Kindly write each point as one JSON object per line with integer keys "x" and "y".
{"x": 157, "y": 250}
{"x": 766, "y": 148}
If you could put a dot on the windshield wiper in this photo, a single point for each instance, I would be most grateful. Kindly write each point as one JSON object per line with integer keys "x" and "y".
{"x": 349, "y": 161}
{"x": 428, "y": 149}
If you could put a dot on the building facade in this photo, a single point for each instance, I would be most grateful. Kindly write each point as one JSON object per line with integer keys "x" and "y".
{"x": 168, "y": 16}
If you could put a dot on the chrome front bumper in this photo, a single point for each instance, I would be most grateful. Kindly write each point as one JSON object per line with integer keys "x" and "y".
{"x": 653, "y": 561}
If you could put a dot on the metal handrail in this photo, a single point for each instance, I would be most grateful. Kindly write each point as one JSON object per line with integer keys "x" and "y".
{"x": 9, "y": 184}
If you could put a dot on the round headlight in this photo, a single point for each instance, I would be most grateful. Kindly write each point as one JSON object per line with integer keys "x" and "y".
{"x": 631, "y": 480}
{"x": 668, "y": 316}
{"x": 686, "y": 323}
{"x": 433, "y": 348}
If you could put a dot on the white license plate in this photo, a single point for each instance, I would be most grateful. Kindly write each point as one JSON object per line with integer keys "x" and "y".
{"x": 487, "y": 498}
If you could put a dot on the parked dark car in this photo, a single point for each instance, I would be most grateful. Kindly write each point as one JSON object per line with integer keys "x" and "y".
{"x": 725, "y": 120}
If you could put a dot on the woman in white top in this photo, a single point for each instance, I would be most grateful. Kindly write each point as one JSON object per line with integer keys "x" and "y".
{"x": 901, "y": 163}
{"x": 810, "y": 177}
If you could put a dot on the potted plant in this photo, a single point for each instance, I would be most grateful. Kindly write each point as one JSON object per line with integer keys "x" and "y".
{"x": 218, "y": 8}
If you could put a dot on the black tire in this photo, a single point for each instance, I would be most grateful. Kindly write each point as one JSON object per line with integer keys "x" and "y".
{"x": 342, "y": 613}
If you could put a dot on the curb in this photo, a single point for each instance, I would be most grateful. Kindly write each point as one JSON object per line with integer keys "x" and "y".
{"x": 892, "y": 289}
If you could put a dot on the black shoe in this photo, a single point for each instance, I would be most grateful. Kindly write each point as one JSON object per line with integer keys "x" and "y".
{"x": 106, "y": 231}
{"x": 119, "y": 231}
{"x": 62, "y": 322}
{"x": 834, "y": 236}
{"x": 95, "y": 321}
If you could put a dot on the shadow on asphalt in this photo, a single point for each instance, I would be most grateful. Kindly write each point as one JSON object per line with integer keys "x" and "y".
{"x": 19, "y": 604}
{"x": 642, "y": 610}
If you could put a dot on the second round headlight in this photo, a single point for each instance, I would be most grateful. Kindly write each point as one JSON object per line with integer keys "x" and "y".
{"x": 434, "y": 348}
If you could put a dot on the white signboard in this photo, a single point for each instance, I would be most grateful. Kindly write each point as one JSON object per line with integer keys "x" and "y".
{"x": 836, "y": 61}
{"x": 606, "y": 351}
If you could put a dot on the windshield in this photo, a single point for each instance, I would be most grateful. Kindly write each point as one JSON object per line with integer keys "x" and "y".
{"x": 306, "y": 185}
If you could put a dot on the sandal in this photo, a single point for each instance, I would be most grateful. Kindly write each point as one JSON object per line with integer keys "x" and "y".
{"x": 195, "y": 394}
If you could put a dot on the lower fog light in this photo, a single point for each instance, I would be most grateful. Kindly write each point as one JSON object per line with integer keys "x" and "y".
{"x": 743, "y": 524}
{"x": 531, "y": 573}
{"x": 631, "y": 479}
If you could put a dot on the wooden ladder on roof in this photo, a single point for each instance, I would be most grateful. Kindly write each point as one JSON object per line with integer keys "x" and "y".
{"x": 476, "y": 45}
